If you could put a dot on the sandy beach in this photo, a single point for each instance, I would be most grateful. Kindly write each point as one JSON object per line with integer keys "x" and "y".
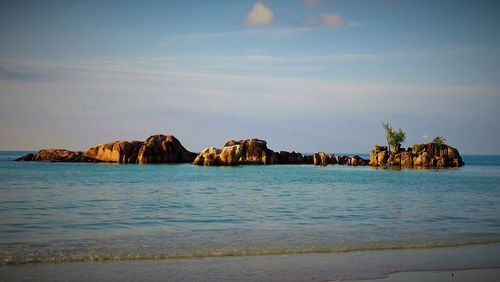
{"x": 469, "y": 263}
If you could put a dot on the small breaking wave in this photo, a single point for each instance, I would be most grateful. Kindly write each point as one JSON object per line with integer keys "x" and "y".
{"x": 68, "y": 256}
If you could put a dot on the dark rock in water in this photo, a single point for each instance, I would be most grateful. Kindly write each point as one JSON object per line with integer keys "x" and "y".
{"x": 343, "y": 160}
{"x": 333, "y": 159}
{"x": 419, "y": 155}
{"x": 56, "y": 155}
{"x": 28, "y": 157}
{"x": 308, "y": 159}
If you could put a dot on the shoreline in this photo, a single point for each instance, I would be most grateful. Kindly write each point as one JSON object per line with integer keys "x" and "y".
{"x": 456, "y": 275}
{"x": 349, "y": 266}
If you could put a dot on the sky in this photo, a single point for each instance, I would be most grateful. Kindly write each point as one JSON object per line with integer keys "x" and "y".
{"x": 304, "y": 75}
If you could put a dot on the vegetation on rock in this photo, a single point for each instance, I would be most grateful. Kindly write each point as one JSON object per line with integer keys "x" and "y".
{"x": 394, "y": 137}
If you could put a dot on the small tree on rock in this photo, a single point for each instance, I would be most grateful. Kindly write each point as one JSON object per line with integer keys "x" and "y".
{"x": 440, "y": 140}
{"x": 394, "y": 138}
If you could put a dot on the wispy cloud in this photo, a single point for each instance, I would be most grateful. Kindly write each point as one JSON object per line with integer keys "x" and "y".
{"x": 258, "y": 65}
{"x": 189, "y": 37}
{"x": 328, "y": 20}
{"x": 259, "y": 15}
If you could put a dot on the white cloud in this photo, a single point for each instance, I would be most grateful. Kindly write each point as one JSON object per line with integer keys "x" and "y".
{"x": 259, "y": 15}
{"x": 332, "y": 20}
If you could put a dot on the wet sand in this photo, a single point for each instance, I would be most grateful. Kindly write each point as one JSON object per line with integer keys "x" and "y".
{"x": 482, "y": 262}
{"x": 483, "y": 275}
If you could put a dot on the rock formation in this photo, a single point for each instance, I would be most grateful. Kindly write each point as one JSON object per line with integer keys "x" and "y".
{"x": 419, "y": 155}
{"x": 156, "y": 149}
{"x": 163, "y": 149}
{"x": 356, "y": 160}
{"x": 248, "y": 151}
{"x": 322, "y": 159}
{"x": 56, "y": 155}
{"x": 253, "y": 151}
{"x": 122, "y": 152}
{"x": 168, "y": 149}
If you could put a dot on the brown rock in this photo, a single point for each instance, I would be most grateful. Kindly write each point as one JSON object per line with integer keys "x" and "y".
{"x": 419, "y": 155}
{"x": 378, "y": 156}
{"x": 407, "y": 159}
{"x": 163, "y": 149}
{"x": 321, "y": 158}
{"x": 230, "y": 155}
{"x": 357, "y": 161}
{"x": 56, "y": 155}
{"x": 208, "y": 157}
{"x": 115, "y": 152}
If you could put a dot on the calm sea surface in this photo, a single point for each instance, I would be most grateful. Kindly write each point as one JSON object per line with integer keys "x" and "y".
{"x": 80, "y": 212}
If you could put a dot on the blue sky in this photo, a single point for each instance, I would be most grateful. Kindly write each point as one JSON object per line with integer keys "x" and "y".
{"x": 304, "y": 75}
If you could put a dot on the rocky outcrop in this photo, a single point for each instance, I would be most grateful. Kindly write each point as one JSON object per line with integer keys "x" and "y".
{"x": 323, "y": 159}
{"x": 156, "y": 149}
{"x": 56, "y": 155}
{"x": 419, "y": 155}
{"x": 253, "y": 151}
{"x": 378, "y": 155}
{"x": 343, "y": 160}
{"x": 284, "y": 157}
{"x": 122, "y": 152}
{"x": 226, "y": 156}
{"x": 248, "y": 151}
{"x": 356, "y": 161}
{"x": 163, "y": 149}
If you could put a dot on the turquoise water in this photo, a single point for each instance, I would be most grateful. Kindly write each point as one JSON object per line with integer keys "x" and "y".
{"x": 80, "y": 212}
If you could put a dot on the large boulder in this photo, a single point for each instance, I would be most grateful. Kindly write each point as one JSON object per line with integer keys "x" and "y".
{"x": 378, "y": 155}
{"x": 253, "y": 151}
{"x": 163, "y": 149}
{"x": 322, "y": 159}
{"x": 248, "y": 151}
{"x": 207, "y": 157}
{"x": 122, "y": 152}
{"x": 56, "y": 155}
{"x": 225, "y": 156}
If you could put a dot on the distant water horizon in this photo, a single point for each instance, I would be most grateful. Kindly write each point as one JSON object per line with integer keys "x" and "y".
{"x": 56, "y": 212}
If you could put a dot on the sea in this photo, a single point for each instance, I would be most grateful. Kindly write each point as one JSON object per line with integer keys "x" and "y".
{"x": 67, "y": 212}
